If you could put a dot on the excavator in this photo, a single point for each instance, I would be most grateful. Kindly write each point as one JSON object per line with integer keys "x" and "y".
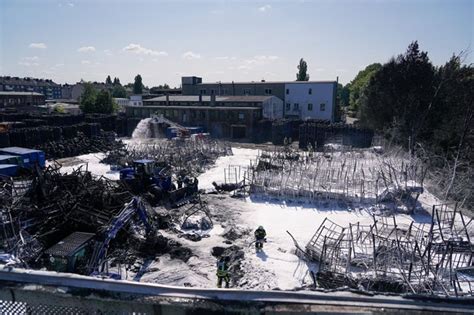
{"x": 96, "y": 264}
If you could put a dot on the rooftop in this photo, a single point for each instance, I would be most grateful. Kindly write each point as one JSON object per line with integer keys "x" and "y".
{"x": 68, "y": 245}
{"x": 207, "y": 98}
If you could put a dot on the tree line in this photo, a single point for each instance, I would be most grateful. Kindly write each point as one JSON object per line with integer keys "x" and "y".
{"x": 425, "y": 108}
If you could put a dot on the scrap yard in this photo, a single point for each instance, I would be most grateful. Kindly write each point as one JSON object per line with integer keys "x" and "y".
{"x": 153, "y": 210}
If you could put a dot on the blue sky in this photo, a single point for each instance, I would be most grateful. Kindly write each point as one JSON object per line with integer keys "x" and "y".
{"x": 222, "y": 40}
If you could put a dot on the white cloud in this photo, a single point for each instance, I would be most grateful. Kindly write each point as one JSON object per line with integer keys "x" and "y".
{"x": 85, "y": 62}
{"x": 320, "y": 69}
{"x": 257, "y": 61}
{"x": 34, "y": 58}
{"x": 28, "y": 64}
{"x": 226, "y": 58}
{"x": 86, "y": 49}
{"x": 29, "y": 61}
{"x": 108, "y": 52}
{"x": 138, "y": 49}
{"x": 217, "y": 11}
{"x": 58, "y": 65}
{"x": 71, "y": 4}
{"x": 190, "y": 55}
{"x": 38, "y": 45}
{"x": 265, "y": 8}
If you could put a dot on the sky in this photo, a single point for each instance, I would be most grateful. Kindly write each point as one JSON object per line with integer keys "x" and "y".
{"x": 70, "y": 40}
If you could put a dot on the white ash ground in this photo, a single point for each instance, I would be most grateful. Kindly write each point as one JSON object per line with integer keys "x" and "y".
{"x": 277, "y": 266}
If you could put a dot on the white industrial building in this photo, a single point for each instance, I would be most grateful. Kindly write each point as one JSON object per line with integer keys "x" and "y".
{"x": 310, "y": 100}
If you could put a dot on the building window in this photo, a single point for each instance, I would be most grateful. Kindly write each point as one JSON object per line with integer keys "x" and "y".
{"x": 310, "y": 91}
{"x": 296, "y": 106}
{"x": 322, "y": 107}
{"x": 213, "y": 91}
{"x": 246, "y": 91}
{"x": 223, "y": 91}
{"x": 287, "y": 91}
{"x": 288, "y": 106}
{"x": 202, "y": 114}
{"x": 268, "y": 91}
{"x": 310, "y": 107}
{"x": 241, "y": 116}
{"x": 203, "y": 92}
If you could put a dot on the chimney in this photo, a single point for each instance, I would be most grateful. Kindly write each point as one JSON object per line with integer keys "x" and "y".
{"x": 167, "y": 100}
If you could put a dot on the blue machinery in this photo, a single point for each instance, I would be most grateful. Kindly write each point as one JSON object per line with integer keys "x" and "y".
{"x": 136, "y": 206}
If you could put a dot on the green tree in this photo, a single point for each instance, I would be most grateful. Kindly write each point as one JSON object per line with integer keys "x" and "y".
{"x": 104, "y": 103}
{"x": 116, "y": 81}
{"x": 119, "y": 91}
{"x": 108, "y": 80}
{"x": 358, "y": 85}
{"x": 400, "y": 96}
{"x": 88, "y": 98}
{"x": 343, "y": 94}
{"x": 138, "y": 85}
{"x": 302, "y": 74}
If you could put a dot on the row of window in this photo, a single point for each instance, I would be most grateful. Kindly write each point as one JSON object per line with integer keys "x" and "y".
{"x": 310, "y": 91}
{"x": 233, "y": 115}
{"x": 224, "y": 91}
{"x": 296, "y": 107}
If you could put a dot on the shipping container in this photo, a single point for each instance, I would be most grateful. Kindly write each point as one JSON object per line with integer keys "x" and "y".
{"x": 29, "y": 157}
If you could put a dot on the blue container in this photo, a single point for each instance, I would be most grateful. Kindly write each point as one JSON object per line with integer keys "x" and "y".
{"x": 8, "y": 169}
{"x": 11, "y": 159}
{"x": 171, "y": 132}
{"x": 195, "y": 130}
{"x": 29, "y": 157}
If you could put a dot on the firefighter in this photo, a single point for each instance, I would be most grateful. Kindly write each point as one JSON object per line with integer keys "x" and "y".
{"x": 260, "y": 235}
{"x": 222, "y": 272}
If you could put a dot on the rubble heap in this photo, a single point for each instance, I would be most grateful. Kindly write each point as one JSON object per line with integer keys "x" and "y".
{"x": 422, "y": 258}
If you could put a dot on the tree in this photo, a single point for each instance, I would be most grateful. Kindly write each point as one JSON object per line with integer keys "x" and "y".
{"x": 108, "y": 81}
{"x": 138, "y": 85}
{"x": 400, "y": 95}
{"x": 343, "y": 92}
{"x": 116, "y": 81}
{"x": 104, "y": 103}
{"x": 88, "y": 98}
{"x": 358, "y": 85}
{"x": 119, "y": 91}
{"x": 302, "y": 74}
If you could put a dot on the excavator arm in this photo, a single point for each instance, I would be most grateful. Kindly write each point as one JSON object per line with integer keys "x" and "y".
{"x": 136, "y": 206}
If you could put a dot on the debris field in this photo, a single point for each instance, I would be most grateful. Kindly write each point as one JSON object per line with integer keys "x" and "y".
{"x": 336, "y": 218}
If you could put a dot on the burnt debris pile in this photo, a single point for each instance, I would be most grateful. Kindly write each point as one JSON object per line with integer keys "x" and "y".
{"x": 49, "y": 205}
{"x": 187, "y": 157}
{"x": 432, "y": 258}
{"x": 63, "y": 135}
{"x": 390, "y": 181}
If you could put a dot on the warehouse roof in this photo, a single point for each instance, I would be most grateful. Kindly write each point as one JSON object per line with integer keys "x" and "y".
{"x": 207, "y": 98}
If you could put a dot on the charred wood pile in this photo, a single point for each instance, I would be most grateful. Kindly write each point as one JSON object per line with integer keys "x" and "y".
{"x": 39, "y": 210}
{"x": 189, "y": 157}
{"x": 419, "y": 258}
{"x": 80, "y": 144}
{"x": 356, "y": 175}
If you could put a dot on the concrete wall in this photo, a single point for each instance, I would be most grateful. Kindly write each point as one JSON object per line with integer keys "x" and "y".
{"x": 321, "y": 93}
